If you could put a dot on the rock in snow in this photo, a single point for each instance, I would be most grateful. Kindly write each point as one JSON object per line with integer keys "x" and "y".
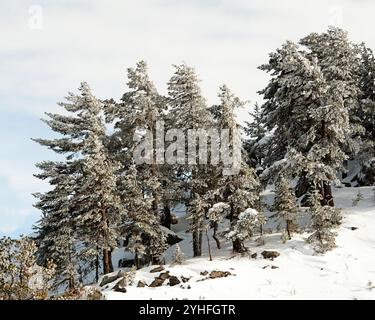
{"x": 173, "y": 281}
{"x": 120, "y": 286}
{"x": 270, "y": 254}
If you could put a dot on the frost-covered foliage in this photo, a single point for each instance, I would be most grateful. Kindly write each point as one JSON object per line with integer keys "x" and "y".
{"x": 142, "y": 226}
{"x": 135, "y": 118}
{"x": 20, "y": 276}
{"x": 247, "y": 223}
{"x": 309, "y": 102}
{"x": 324, "y": 220}
{"x": 285, "y": 205}
{"x": 318, "y": 112}
{"x": 240, "y": 190}
{"x": 257, "y": 140}
{"x": 188, "y": 110}
{"x": 218, "y": 211}
{"x": 365, "y": 112}
{"x": 57, "y": 238}
{"x": 83, "y": 206}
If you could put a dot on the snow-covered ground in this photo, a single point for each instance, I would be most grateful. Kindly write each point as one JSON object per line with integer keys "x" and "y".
{"x": 347, "y": 272}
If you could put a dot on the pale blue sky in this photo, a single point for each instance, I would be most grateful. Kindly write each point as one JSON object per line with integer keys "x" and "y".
{"x": 96, "y": 41}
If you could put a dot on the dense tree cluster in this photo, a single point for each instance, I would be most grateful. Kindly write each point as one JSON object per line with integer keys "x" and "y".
{"x": 318, "y": 114}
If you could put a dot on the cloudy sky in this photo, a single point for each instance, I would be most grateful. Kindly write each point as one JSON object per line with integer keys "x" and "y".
{"x": 48, "y": 47}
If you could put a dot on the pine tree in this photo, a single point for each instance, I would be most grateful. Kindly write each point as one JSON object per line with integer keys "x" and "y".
{"x": 324, "y": 220}
{"x": 288, "y": 67}
{"x": 135, "y": 118}
{"x": 255, "y": 132}
{"x": 308, "y": 114}
{"x": 85, "y": 183}
{"x": 365, "y": 114}
{"x": 56, "y": 238}
{"x": 187, "y": 110}
{"x": 339, "y": 62}
{"x": 142, "y": 227}
{"x": 240, "y": 189}
{"x": 285, "y": 205}
{"x": 101, "y": 210}
{"x": 248, "y": 221}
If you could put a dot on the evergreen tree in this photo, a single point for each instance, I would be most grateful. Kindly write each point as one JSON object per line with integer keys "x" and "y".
{"x": 366, "y": 116}
{"x": 187, "y": 110}
{"x": 285, "y": 205}
{"x": 56, "y": 238}
{"x": 255, "y": 132}
{"x": 142, "y": 227}
{"x": 247, "y": 221}
{"x": 339, "y": 61}
{"x": 306, "y": 113}
{"x": 240, "y": 189}
{"x": 85, "y": 184}
{"x": 140, "y": 108}
{"x": 324, "y": 220}
{"x": 100, "y": 209}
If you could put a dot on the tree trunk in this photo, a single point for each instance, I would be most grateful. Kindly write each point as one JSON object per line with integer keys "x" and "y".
{"x": 110, "y": 261}
{"x": 197, "y": 243}
{"x": 288, "y": 227}
{"x": 106, "y": 263}
{"x": 71, "y": 284}
{"x": 136, "y": 260}
{"x": 238, "y": 246}
{"x": 167, "y": 215}
{"x": 97, "y": 266}
{"x": 209, "y": 245}
{"x": 218, "y": 245}
{"x": 156, "y": 260}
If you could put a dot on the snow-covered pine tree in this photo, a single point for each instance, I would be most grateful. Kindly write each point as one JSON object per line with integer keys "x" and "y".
{"x": 255, "y": 132}
{"x": 285, "y": 205}
{"x": 282, "y": 98}
{"x": 142, "y": 228}
{"x": 324, "y": 220}
{"x": 366, "y": 115}
{"x": 197, "y": 209}
{"x": 239, "y": 190}
{"x": 56, "y": 230}
{"x": 307, "y": 114}
{"x": 188, "y": 110}
{"x": 324, "y": 216}
{"x": 247, "y": 221}
{"x": 140, "y": 108}
{"x": 56, "y": 237}
{"x": 101, "y": 210}
{"x": 295, "y": 83}
{"x": 339, "y": 61}
{"x": 216, "y": 214}
{"x": 92, "y": 192}
{"x": 367, "y": 86}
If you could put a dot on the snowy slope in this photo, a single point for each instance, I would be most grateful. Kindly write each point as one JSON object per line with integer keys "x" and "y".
{"x": 347, "y": 272}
